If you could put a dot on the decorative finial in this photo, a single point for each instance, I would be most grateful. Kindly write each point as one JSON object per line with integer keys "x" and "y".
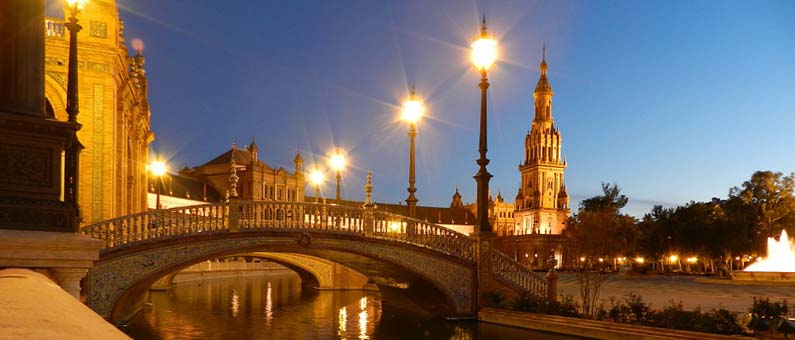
{"x": 368, "y": 189}
{"x": 544, "y": 53}
{"x": 233, "y": 178}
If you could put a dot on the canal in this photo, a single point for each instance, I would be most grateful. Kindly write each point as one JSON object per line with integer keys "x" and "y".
{"x": 275, "y": 306}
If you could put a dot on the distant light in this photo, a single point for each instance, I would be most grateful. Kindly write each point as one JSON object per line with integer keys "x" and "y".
{"x": 158, "y": 168}
{"x": 316, "y": 177}
{"x": 673, "y": 258}
{"x": 640, "y": 260}
{"x": 601, "y": 260}
{"x": 337, "y": 161}
{"x": 582, "y": 259}
{"x": 76, "y": 3}
{"x": 394, "y": 227}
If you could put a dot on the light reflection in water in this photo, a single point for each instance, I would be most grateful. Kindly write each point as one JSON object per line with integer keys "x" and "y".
{"x": 207, "y": 310}
{"x": 363, "y": 325}
{"x": 343, "y": 321}
{"x": 269, "y": 304}
{"x": 235, "y": 303}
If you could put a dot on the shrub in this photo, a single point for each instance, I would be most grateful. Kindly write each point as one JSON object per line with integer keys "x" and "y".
{"x": 495, "y": 298}
{"x": 766, "y": 309}
{"x": 536, "y": 304}
{"x": 631, "y": 310}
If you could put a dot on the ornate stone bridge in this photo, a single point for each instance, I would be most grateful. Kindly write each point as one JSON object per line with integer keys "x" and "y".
{"x": 438, "y": 268}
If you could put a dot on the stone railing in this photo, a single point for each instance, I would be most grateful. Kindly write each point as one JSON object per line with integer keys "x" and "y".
{"x": 299, "y": 217}
{"x": 54, "y": 27}
{"x": 505, "y": 268}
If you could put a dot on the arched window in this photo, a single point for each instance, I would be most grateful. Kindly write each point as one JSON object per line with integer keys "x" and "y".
{"x": 279, "y": 214}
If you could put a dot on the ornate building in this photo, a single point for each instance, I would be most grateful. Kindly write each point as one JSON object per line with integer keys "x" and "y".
{"x": 542, "y": 204}
{"x": 256, "y": 180}
{"x": 114, "y": 110}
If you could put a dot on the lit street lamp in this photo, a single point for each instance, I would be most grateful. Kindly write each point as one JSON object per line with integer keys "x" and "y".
{"x": 316, "y": 177}
{"x": 158, "y": 168}
{"x": 72, "y": 154}
{"x": 411, "y": 113}
{"x": 337, "y": 162}
{"x": 484, "y": 54}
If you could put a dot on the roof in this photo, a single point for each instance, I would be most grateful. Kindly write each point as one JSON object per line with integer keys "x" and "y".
{"x": 183, "y": 186}
{"x": 242, "y": 157}
{"x": 439, "y": 215}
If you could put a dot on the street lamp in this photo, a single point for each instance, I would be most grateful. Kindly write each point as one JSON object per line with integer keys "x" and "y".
{"x": 337, "y": 162}
{"x": 411, "y": 113}
{"x": 72, "y": 154}
{"x": 158, "y": 168}
{"x": 316, "y": 177}
{"x": 484, "y": 54}
{"x": 72, "y": 107}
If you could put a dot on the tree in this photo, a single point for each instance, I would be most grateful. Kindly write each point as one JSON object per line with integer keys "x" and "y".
{"x": 600, "y": 231}
{"x": 611, "y": 199}
{"x": 770, "y": 196}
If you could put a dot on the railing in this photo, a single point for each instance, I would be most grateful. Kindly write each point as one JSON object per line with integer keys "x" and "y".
{"x": 288, "y": 216}
{"x": 505, "y": 268}
{"x": 54, "y": 27}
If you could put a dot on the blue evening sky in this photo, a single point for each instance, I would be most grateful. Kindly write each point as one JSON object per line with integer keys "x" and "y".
{"x": 673, "y": 100}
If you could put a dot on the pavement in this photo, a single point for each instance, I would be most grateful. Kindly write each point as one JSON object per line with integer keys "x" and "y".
{"x": 660, "y": 290}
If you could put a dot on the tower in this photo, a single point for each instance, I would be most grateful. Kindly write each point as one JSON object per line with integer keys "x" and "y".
{"x": 542, "y": 204}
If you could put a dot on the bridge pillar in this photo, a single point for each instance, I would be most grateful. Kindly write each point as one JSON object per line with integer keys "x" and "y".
{"x": 485, "y": 280}
{"x": 369, "y": 218}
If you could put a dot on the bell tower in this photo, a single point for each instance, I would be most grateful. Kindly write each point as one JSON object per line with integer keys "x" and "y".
{"x": 542, "y": 202}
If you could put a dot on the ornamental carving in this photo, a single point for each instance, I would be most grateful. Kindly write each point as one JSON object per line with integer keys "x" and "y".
{"x": 98, "y": 29}
{"x": 25, "y": 166}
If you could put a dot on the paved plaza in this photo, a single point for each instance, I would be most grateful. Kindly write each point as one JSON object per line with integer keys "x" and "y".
{"x": 660, "y": 290}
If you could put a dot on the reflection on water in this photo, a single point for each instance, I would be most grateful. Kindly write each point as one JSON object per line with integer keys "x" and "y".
{"x": 275, "y": 307}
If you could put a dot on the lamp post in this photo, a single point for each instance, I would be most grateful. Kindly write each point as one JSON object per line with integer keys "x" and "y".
{"x": 411, "y": 113}
{"x": 158, "y": 168}
{"x": 484, "y": 54}
{"x": 72, "y": 154}
{"x": 337, "y": 162}
{"x": 316, "y": 177}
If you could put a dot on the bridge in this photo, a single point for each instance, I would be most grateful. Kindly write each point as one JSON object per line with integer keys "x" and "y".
{"x": 438, "y": 268}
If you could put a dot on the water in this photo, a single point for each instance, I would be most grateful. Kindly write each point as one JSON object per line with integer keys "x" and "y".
{"x": 276, "y": 307}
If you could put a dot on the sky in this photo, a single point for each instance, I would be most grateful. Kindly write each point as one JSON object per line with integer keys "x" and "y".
{"x": 672, "y": 100}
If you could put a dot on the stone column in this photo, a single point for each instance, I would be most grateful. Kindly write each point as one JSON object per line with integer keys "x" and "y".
{"x": 69, "y": 279}
{"x": 22, "y": 59}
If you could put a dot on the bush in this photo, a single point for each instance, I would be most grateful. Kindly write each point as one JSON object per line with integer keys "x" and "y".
{"x": 541, "y": 305}
{"x": 766, "y": 309}
{"x": 632, "y": 310}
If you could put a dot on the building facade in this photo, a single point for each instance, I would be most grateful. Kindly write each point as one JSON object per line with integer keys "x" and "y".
{"x": 114, "y": 110}
{"x": 256, "y": 180}
{"x": 542, "y": 203}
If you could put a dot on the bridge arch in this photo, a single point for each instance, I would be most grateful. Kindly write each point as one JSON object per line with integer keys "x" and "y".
{"x": 433, "y": 264}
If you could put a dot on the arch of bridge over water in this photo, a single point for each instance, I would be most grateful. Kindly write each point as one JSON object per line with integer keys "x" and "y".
{"x": 440, "y": 269}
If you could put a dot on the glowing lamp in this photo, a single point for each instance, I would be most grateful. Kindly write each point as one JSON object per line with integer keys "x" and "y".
{"x": 316, "y": 177}
{"x": 640, "y": 260}
{"x": 484, "y": 52}
{"x": 158, "y": 168}
{"x": 673, "y": 258}
{"x": 76, "y": 4}
{"x": 337, "y": 161}
{"x": 412, "y": 110}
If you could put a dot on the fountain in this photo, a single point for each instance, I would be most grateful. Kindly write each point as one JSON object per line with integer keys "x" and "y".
{"x": 777, "y": 267}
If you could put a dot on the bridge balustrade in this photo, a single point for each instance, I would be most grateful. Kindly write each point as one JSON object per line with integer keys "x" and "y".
{"x": 290, "y": 216}
{"x": 507, "y": 269}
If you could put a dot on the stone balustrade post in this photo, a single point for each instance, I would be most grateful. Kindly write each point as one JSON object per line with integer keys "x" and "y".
{"x": 552, "y": 285}
{"x": 234, "y": 214}
{"x": 369, "y": 219}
